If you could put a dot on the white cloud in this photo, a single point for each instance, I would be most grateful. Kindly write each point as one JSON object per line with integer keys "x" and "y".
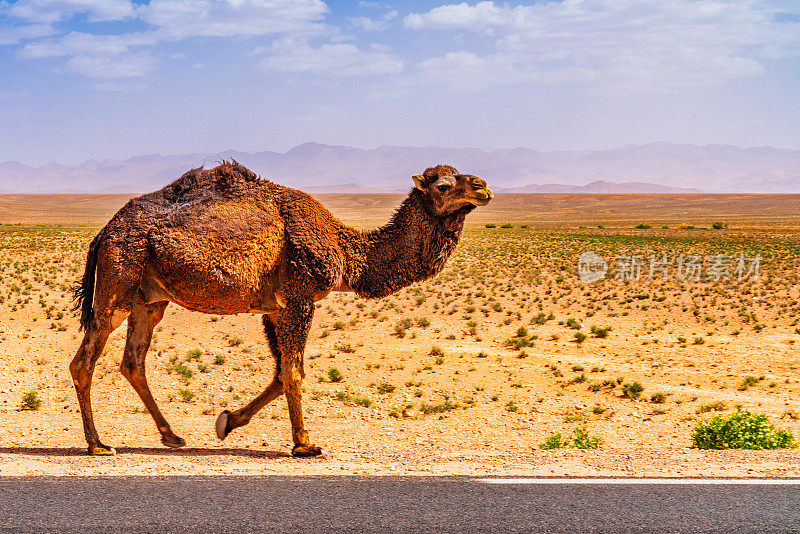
{"x": 10, "y": 35}
{"x": 179, "y": 19}
{"x": 614, "y": 45}
{"x": 289, "y": 55}
{"x": 50, "y": 11}
{"x": 130, "y": 65}
{"x": 98, "y": 56}
{"x": 372, "y": 25}
{"x": 133, "y": 54}
{"x": 464, "y": 16}
{"x": 78, "y": 43}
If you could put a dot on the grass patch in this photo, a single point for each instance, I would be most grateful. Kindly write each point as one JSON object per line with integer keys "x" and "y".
{"x": 31, "y": 401}
{"x": 346, "y": 398}
{"x": 445, "y": 406}
{"x": 334, "y": 375}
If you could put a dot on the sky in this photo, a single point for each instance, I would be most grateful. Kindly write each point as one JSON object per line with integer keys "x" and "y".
{"x": 99, "y": 79}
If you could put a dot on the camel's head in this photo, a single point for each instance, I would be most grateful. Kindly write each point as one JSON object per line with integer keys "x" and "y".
{"x": 447, "y": 191}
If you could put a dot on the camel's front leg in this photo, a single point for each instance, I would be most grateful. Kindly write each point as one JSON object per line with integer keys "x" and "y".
{"x": 294, "y": 322}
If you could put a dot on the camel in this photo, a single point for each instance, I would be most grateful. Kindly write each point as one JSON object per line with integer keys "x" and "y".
{"x": 225, "y": 241}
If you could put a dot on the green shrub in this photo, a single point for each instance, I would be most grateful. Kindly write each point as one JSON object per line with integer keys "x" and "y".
{"x": 507, "y": 225}
{"x": 334, "y": 375}
{"x": 31, "y": 401}
{"x": 741, "y": 430}
{"x": 718, "y": 406}
{"x": 719, "y": 225}
{"x": 491, "y": 225}
{"x": 658, "y": 398}
{"x": 186, "y": 395}
{"x": 580, "y": 439}
{"x": 632, "y": 390}
{"x": 643, "y": 226}
{"x": 601, "y": 332}
{"x": 353, "y": 399}
{"x": 518, "y": 342}
{"x": 347, "y": 348}
{"x": 182, "y": 370}
{"x": 437, "y": 408}
{"x": 747, "y": 382}
{"x": 553, "y": 441}
{"x": 235, "y": 341}
{"x": 385, "y": 387}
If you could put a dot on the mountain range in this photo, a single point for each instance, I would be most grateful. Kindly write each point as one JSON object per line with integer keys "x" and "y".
{"x": 318, "y": 168}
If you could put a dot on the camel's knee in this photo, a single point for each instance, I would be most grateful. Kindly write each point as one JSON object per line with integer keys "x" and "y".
{"x": 277, "y": 386}
{"x": 77, "y": 367}
{"x": 128, "y": 368}
{"x": 290, "y": 377}
{"x": 81, "y": 365}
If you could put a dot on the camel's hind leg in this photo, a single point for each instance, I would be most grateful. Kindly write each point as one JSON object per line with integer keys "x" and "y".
{"x": 141, "y": 321}
{"x": 227, "y": 421}
{"x": 82, "y": 368}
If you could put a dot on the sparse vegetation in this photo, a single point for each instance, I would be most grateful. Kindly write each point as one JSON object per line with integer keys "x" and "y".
{"x": 507, "y": 305}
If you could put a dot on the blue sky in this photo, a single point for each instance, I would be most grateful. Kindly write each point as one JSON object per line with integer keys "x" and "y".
{"x": 103, "y": 79}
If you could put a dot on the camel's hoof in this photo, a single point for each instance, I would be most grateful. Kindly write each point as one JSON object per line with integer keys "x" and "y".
{"x": 306, "y": 451}
{"x": 221, "y": 425}
{"x": 101, "y": 450}
{"x": 172, "y": 441}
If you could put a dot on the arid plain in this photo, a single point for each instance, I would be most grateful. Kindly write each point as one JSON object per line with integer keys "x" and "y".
{"x": 466, "y": 373}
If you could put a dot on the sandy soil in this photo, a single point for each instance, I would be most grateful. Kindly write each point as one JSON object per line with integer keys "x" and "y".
{"x": 395, "y": 461}
{"x": 429, "y": 381}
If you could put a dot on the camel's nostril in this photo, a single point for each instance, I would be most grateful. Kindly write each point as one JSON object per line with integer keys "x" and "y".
{"x": 478, "y": 184}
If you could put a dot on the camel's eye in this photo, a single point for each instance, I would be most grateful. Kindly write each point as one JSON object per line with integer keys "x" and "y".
{"x": 442, "y": 188}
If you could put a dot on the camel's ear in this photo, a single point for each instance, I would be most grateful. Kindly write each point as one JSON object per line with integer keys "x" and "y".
{"x": 419, "y": 181}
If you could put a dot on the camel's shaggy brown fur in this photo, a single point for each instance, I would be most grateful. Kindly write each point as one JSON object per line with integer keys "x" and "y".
{"x": 224, "y": 241}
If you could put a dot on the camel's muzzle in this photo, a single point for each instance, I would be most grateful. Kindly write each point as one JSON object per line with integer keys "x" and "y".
{"x": 480, "y": 194}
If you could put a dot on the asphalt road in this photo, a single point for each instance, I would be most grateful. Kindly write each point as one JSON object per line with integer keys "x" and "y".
{"x": 361, "y": 504}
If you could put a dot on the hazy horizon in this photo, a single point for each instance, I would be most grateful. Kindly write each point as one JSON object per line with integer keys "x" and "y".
{"x": 375, "y": 147}
{"x": 669, "y": 167}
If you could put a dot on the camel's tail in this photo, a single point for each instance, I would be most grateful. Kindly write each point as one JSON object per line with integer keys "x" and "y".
{"x": 83, "y": 291}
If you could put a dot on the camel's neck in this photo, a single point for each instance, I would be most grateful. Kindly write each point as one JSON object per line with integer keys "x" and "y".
{"x": 411, "y": 247}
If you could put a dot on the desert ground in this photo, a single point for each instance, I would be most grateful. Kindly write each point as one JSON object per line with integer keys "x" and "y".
{"x": 464, "y": 374}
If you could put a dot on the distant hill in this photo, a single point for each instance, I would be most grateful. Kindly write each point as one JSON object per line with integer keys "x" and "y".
{"x": 601, "y": 187}
{"x": 656, "y": 168}
{"x": 343, "y": 188}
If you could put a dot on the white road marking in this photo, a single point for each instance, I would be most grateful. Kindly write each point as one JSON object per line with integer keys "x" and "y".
{"x": 664, "y": 481}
